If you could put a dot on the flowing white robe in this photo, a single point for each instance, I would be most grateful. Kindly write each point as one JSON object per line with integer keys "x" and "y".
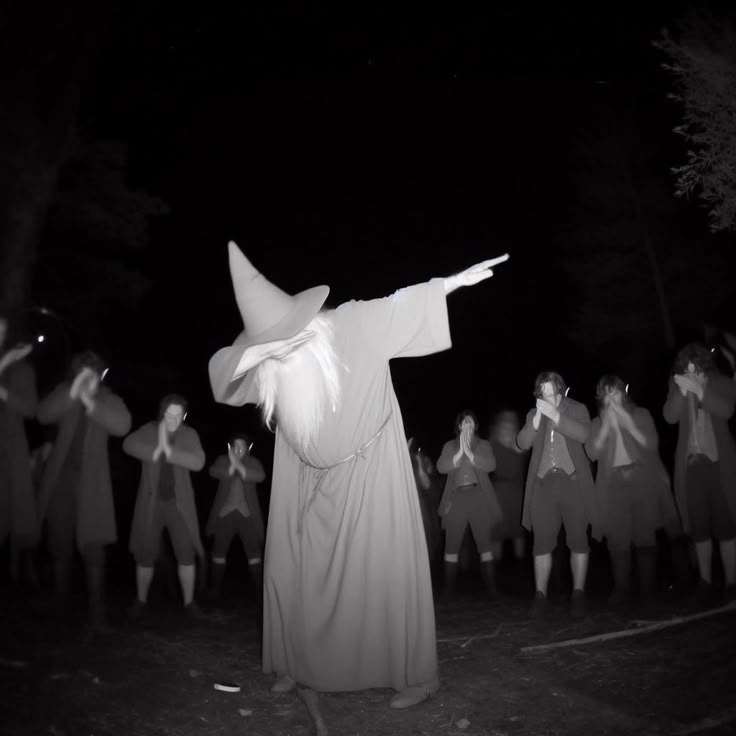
{"x": 347, "y": 590}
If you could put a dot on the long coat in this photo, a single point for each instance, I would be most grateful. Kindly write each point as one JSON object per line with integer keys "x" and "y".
{"x": 657, "y": 477}
{"x": 719, "y": 398}
{"x": 18, "y": 516}
{"x": 110, "y": 417}
{"x": 186, "y": 455}
{"x": 574, "y": 426}
{"x": 347, "y": 589}
{"x": 254, "y": 474}
{"x": 485, "y": 462}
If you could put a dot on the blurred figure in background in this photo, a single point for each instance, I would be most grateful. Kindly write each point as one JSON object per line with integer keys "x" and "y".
{"x": 18, "y": 402}
{"x": 508, "y": 482}
{"x": 429, "y": 490}
{"x": 700, "y": 401}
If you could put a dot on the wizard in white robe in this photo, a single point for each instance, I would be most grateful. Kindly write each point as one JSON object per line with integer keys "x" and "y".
{"x": 347, "y": 590}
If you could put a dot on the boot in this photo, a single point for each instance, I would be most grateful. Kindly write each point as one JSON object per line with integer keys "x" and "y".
{"x": 96, "y": 597}
{"x": 646, "y": 558}
{"x": 488, "y": 573}
{"x": 217, "y": 575}
{"x": 449, "y": 586}
{"x": 682, "y": 566}
{"x": 621, "y": 569}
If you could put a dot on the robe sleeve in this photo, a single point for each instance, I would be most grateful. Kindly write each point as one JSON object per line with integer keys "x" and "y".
{"x": 484, "y": 459}
{"x": 718, "y": 398}
{"x": 21, "y": 387}
{"x": 444, "y": 462}
{"x": 590, "y": 447}
{"x": 53, "y": 407}
{"x": 111, "y": 413}
{"x": 575, "y": 423}
{"x": 187, "y": 452}
{"x": 219, "y": 469}
{"x": 525, "y": 438}
{"x": 674, "y": 404}
{"x": 409, "y": 323}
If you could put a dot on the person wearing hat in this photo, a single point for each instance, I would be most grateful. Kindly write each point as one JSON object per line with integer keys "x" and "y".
{"x": 75, "y": 497}
{"x": 236, "y": 511}
{"x": 168, "y": 451}
{"x": 347, "y": 589}
{"x": 18, "y": 402}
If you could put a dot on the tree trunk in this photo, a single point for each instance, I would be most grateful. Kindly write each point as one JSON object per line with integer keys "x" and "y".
{"x": 32, "y": 184}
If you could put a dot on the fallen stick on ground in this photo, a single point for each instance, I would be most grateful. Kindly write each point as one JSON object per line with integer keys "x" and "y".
{"x": 632, "y": 632}
{"x": 311, "y": 700}
{"x": 468, "y": 639}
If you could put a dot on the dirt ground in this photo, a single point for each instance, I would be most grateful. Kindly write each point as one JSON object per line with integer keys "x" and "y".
{"x": 155, "y": 677}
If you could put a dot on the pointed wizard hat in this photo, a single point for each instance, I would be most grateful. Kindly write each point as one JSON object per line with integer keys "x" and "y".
{"x": 268, "y": 314}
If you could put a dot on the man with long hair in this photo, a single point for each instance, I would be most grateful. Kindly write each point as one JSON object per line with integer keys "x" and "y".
{"x": 632, "y": 486}
{"x": 701, "y": 400}
{"x": 468, "y": 499}
{"x": 347, "y": 588}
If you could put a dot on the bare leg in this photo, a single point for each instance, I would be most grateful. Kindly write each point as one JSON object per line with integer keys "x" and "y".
{"x": 704, "y": 554}
{"x": 186, "y": 579}
{"x": 579, "y": 569}
{"x": 143, "y": 578}
{"x": 542, "y": 570}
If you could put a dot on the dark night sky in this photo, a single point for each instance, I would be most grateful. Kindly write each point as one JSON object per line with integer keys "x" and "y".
{"x": 368, "y": 148}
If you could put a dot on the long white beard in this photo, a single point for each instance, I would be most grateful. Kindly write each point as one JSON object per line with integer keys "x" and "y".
{"x": 300, "y": 390}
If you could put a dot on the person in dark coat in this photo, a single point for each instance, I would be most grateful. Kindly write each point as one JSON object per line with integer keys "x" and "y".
{"x": 701, "y": 401}
{"x": 169, "y": 451}
{"x": 76, "y": 499}
{"x": 559, "y": 486}
{"x": 236, "y": 511}
{"x": 18, "y": 403}
{"x": 468, "y": 498}
{"x": 632, "y": 486}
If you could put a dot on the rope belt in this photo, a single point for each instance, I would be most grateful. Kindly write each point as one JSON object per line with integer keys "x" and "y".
{"x": 324, "y": 469}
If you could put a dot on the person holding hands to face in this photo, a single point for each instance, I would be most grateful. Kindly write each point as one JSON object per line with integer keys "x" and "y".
{"x": 468, "y": 498}
{"x": 168, "y": 451}
{"x": 632, "y": 486}
{"x": 701, "y": 401}
{"x": 559, "y": 486}
{"x": 75, "y": 496}
{"x": 236, "y": 511}
{"x": 18, "y": 402}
